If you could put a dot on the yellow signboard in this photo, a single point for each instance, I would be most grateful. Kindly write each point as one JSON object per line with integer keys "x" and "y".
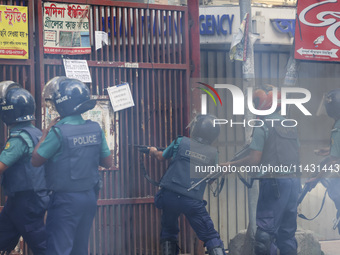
{"x": 13, "y": 32}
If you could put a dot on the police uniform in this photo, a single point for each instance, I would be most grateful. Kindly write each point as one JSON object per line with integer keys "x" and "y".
{"x": 334, "y": 183}
{"x": 277, "y": 203}
{"x": 74, "y": 148}
{"x": 174, "y": 199}
{"x": 24, "y": 210}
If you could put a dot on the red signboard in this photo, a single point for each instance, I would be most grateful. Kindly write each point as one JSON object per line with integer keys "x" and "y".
{"x": 317, "y": 36}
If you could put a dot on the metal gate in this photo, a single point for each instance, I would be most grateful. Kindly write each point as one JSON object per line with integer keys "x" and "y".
{"x": 148, "y": 48}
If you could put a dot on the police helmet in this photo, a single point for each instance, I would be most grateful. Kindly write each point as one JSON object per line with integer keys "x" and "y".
{"x": 332, "y": 104}
{"x": 263, "y": 98}
{"x": 203, "y": 130}
{"x": 17, "y": 104}
{"x": 69, "y": 96}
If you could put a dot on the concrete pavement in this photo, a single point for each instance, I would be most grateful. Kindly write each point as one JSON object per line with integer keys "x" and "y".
{"x": 330, "y": 247}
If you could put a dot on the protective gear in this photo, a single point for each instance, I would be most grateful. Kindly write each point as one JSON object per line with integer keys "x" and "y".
{"x": 17, "y": 104}
{"x": 33, "y": 178}
{"x": 216, "y": 251}
{"x": 178, "y": 178}
{"x": 332, "y": 104}
{"x": 169, "y": 247}
{"x": 263, "y": 98}
{"x": 74, "y": 171}
{"x": 203, "y": 129}
{"x": 69, "y": 96}
{"x": 263, "y": 242}
{"x": 281, "y": 147}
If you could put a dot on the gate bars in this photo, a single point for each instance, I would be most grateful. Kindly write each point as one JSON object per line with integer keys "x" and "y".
{"x": 148, "y": 48}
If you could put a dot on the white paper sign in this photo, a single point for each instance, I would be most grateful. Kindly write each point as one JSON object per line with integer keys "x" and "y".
{"x": 120, "y": 97}
{"x": 77, "y": 69}
{"x": 101, "y": 37}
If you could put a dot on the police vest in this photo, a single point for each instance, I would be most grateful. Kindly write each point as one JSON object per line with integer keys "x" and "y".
{"x": 76, "y": 169}
{"x": 178, "y": 177}
{"x": 281, "y": 147}
{"x": 22, "y": 175}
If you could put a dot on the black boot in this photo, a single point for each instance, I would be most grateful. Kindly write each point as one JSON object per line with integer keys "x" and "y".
{"x": 169, "y": 248}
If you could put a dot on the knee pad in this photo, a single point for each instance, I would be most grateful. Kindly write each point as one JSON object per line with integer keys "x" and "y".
{"x": 263, "y": 241}
{"x": 169, "y": 247}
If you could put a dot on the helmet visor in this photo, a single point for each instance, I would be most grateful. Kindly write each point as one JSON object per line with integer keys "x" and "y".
{"x": 191, "y": 123}
{"x": 49, "y": 92}
{"x": 322, "y": 108}
{"x": 4, "y": 87}
{"x": 51, "y": 87}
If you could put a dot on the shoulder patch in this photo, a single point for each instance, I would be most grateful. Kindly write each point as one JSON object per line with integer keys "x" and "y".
{"x": 7, "y": 145}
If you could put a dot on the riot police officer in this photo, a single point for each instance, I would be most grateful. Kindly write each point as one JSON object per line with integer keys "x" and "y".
{"x": 25, "y": 186}
{"x": 274, "y": 145}
{"x": 174, "y": 197}
{"x": 331, "y": 104}
{"x": 73, "y": 148}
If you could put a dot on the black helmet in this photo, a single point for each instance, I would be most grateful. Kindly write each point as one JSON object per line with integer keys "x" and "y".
{"x": 332, "y": 104}
{"x": 17, "y": 104}
{"x": 202, "y": 129}
{"x": 69, "y": 96}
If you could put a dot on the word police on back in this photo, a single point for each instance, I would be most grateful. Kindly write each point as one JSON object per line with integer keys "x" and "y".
{"x": 84, "y": 140}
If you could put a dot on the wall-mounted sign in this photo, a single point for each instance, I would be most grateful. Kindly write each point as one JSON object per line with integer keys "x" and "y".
{"x": 13, "y": 32}
{"x": 216, "y": 24}
{"x": 284, "y": 26}
{"x": 66, "y": 29}
{"x": 272, "y": 25}
{"x": 77, "y": 69}
{"x": 120, "y": 97}
{"x": 101, "y": 38}
{"x": 317, "y": 36}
